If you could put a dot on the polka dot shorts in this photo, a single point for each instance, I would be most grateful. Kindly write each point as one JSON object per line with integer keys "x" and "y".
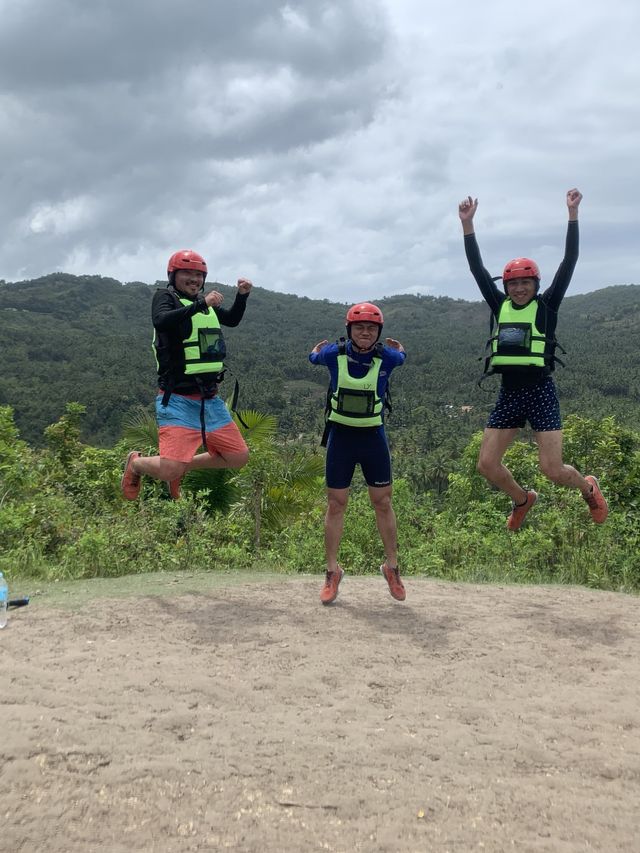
{"x": 537, "y": 404}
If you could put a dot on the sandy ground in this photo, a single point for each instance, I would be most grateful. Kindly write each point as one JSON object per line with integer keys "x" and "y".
{"x": 248, "y": 717}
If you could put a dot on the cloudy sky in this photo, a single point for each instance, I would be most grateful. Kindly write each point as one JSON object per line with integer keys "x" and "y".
{"x": 319, "y": 147}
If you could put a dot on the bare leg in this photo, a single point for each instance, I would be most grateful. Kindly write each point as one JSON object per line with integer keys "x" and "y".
{"x": 380, "y": 498}
{"x": 494, "y": 445}
{"x": 552, "y": 466}
{"x": 218, "y": 460}
{"x": 170, "y": 469}
{"x": 158, "y": 467}
{"x": 334, "y": 524}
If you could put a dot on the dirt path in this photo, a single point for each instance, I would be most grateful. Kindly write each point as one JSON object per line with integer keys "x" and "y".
{"x": 247, "y": 717}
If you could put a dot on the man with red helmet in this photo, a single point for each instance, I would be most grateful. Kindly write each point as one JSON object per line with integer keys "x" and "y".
{"x": 190, "y": 349}
{"x": 522, "y": 350}
{"x": 359, "y": 369}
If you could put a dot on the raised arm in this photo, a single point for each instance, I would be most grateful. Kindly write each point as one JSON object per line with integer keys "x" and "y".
{"x": 165, "y": 316}
{"x": 554, "y": 294}
{"x": 232, "y": 316}
{"x": 320, "y": 350}
{"x": 574, "y": 197}
{"x": 492, "y": 296}
{"x": 466, "y": 212}
{"x": 392, "y": 343}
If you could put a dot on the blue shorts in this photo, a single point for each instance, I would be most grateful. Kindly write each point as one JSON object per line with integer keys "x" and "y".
{"x": 184, "y": 411}
{"x": 364, "y": 446}
{"x": 537, "y": 404}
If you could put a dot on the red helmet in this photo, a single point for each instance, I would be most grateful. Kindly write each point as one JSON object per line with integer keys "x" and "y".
{"x": 521, "y": 268}
{"x": 365, "y": 312}
{"x": 186, "y": 259}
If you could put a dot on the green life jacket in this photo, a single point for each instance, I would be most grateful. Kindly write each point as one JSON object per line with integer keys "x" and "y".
{"x": 518, "y": 341}
{"x": 355, "y": 402}
{"x": 204, "y": 349}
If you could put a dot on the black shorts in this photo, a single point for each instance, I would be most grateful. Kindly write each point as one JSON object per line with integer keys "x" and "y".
{"x": 537, "y": 404}
{"x": 350, "y": 446}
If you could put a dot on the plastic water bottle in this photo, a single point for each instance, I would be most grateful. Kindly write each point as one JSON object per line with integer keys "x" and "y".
{"x": 4, "y": 600}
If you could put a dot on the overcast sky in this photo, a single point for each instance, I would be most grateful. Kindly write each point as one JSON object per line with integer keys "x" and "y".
{"x": 319, "y": 147}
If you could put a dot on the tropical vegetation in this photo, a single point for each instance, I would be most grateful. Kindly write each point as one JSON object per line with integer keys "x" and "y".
{"x": 76, "y": 395}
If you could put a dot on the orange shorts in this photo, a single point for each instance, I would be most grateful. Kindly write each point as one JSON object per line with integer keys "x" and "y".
{"x": 181, "y": 443}
{"x": 180, "y": 431}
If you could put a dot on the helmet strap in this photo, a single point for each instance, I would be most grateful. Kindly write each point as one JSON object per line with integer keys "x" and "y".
{"x": 172, "y": 282}
{"x": 348, "y": 327}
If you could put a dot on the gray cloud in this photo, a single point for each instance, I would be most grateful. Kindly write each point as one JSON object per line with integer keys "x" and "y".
{"x": 319, "y": 147}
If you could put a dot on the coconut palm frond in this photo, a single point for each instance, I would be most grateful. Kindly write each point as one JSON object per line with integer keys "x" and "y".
{"x": 139, "y": 429}
{"x": 303, "y": 469}
{"x": 257, "y": 426}
{"x": 219, "y": 491}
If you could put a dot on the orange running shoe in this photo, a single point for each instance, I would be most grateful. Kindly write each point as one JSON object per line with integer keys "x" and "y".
{"x": 595, "y": 500}
{"x": 329, "y": 591}
{"x": 392, "y": 577}
{"x": 131, "y": 482}
{"x": 518, "y": 511}
{"x": 174, "y": 488}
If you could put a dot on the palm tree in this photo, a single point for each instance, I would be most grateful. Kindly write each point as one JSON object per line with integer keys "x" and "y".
{"x": 438, "y": 468}
{"x": 279, "y": 482}
{"x": 140, "y": 430}
{"x": 218, "y": 487}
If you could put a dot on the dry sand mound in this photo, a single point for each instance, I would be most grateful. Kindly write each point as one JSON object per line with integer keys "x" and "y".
{"x": 250, "y": 718}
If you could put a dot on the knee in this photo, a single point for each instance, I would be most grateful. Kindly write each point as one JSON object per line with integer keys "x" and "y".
{"x": 485, "y": 465}
{"x": 172, "y": 469}
{"x": 382, "y": 504}
{"x": 238, "y": 460}
{"x": 336, "y": 504}
{"x": 552, "y": 470}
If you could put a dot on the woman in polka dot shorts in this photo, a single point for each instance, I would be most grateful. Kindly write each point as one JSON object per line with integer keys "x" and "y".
{"x": 522, "y": 351}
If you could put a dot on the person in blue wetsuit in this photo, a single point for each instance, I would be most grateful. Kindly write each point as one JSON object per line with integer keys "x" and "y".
{"x": 523, "y": 353}
{"x": 359, "y": 368}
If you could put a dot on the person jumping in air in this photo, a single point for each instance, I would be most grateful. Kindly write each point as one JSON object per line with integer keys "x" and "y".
{"x": 359, "y": 370}
{"x": 522, "y": 351}
{"x": 190, "y": 352}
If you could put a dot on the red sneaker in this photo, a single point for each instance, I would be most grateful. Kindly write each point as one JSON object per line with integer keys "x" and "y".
{"x": 517, "y": 514}
{"x": 392, "y": 577}
{"x": 174, "y": 488}
{"x": 595, "y": 500}
{"x": 131, "y": 482}
{"x": 329, "y": 591}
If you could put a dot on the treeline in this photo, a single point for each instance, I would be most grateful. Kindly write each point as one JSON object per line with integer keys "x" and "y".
{"x": 88, "y": 339}
{"x": 62, "y": 515}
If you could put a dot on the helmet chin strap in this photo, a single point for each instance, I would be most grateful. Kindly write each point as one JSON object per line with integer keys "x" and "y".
{"x": 172, "y": 283}
{"x": 358, "y": 349}
{"x": 361, "y": 349}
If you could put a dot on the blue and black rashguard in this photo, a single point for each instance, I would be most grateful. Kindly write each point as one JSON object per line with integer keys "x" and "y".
{"x": 348, "y": 446}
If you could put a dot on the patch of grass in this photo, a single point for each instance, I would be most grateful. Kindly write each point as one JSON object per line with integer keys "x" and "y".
{"x": 73, "y": 594}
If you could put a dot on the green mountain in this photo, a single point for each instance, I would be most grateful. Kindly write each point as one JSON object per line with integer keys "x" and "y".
{"x": 88, "y": 339}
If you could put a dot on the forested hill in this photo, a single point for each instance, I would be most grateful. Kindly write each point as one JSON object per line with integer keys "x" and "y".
{"x": 88, "y": 339}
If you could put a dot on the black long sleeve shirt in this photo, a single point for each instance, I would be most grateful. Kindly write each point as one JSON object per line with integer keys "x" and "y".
{"x": 173, "y": 326}
{"x": 548, "y": 302}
